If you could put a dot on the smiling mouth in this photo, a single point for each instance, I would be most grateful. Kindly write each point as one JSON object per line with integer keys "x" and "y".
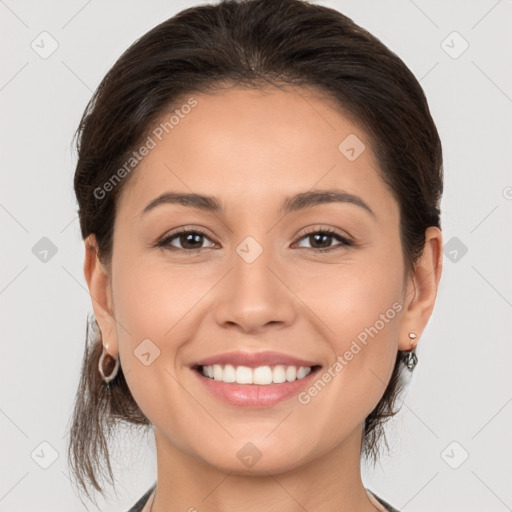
{"x": 260, "y": 375}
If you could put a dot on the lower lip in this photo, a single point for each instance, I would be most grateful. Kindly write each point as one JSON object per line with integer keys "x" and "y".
{"x": 254, "y": 395}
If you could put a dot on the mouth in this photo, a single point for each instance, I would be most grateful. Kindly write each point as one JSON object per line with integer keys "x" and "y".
{"x": 259, "y": 387}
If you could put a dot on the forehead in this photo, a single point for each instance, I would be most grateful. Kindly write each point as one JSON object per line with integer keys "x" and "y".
{"x": 246, "y": 145}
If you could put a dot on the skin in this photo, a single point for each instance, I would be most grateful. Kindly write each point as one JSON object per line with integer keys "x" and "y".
{"x": 251, "y": 150}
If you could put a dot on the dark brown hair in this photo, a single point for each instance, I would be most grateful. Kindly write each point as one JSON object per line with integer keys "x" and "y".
{"x": 250, "y": 43}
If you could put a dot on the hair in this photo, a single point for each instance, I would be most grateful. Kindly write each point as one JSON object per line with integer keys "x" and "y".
{"x": 245, "y": 43}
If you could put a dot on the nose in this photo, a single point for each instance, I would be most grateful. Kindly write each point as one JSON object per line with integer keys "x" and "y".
{"x": 254, "y": 296}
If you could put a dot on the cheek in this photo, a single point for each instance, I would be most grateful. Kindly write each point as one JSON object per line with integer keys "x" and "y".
{"x": 363, "y": 315}
{"x": 366, "y": 306}
{"x": 152, "y": 299}
{"x": 360, "y": 298}
{"x": 360, "y": 305}
{"x": 156, "y": 306}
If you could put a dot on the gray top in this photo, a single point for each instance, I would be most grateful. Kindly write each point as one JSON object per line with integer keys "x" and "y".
{"x": 142, "y": 501}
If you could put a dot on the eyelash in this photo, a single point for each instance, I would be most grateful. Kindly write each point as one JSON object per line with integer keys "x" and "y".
{"x": 345, "y": 242}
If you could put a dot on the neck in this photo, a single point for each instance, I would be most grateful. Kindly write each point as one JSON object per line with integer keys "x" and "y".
{"x": 330, "y": 483}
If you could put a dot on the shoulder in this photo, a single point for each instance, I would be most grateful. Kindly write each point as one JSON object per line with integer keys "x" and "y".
{"x": 385, "y": 504}
{"x": 143, "y": 500}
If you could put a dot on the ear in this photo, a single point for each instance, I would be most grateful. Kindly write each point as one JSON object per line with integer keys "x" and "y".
{"x": 422, "y": 289}
{"x": 99, "y": 284}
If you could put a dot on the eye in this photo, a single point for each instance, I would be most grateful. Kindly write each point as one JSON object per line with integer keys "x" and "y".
{"x": 190, "y": 239}
{"x": 325, "y": 237}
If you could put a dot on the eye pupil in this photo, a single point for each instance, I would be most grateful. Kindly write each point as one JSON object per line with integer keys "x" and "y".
{"x": 188, "y": 238}
{"x": 318, "y": 236}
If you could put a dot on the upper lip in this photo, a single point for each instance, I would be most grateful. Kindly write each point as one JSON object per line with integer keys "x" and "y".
{"x": 254, "y": 359}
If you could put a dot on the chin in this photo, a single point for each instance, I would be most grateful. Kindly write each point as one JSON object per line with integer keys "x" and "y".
{"x": 250, "y": 460}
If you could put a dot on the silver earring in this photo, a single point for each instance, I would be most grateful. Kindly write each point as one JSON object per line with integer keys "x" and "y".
{"x": 110, "y": 377}
{"x": 410, "y": 358}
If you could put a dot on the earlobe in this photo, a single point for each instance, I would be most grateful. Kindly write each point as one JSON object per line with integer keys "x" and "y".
{"x": 422, "y": 292}
{"x": 98, "y": 282}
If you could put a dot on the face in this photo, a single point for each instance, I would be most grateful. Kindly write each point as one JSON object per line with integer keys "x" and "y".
{"x": 264, "y": 276}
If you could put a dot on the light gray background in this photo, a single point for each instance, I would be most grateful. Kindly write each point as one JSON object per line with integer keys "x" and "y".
{"x": 460, "y": 391}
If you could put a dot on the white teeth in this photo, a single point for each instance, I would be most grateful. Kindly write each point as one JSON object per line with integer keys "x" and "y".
{"x": 291, "y": 373}
{"x": 279, "y": 374}
{"x": 229, "y": 374}
{"x": 262, "y": 375}
{"x": 243, "y": 375}
{"x": 302, "y": 372}
{"x": 217, "y": 372}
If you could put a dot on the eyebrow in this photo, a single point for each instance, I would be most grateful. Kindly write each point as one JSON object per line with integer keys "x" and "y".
{"x": 294, "y": 203}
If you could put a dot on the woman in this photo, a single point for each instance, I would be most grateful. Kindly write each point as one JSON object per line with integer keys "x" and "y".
{"x": 258, "y": 186}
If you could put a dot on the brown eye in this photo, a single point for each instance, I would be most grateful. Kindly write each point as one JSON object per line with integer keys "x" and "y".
{"x": 189, "y": 239}
{"x": 324, "y": 238}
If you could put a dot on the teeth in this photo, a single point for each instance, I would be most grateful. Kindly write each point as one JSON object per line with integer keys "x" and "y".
{"x": 302, "y": 372}
{"x": 229, "y": 374}
{"x": 279, "y": 374}
{"x": 291, "y": 373}
{"x": 262, "y": 375}
{"x": 217, "y": 372}
{"x": 243, "y": 375}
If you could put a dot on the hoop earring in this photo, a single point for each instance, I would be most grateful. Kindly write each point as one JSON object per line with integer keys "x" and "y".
{"x": 410, "y": 358}
{"x": 112, "y": 376}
